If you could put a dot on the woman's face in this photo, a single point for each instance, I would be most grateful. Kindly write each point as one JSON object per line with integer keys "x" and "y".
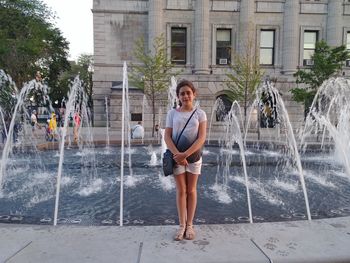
{"x": 186, "y": 96}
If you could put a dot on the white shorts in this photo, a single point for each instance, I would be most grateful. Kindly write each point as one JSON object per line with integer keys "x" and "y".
{"x": 193, "y": 168}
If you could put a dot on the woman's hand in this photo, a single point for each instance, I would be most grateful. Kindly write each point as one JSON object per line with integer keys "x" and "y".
{"x": 184, "y": 163}
{"x": 180, "y": 158}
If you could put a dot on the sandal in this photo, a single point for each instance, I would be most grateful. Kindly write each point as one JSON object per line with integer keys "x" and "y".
{"x": 190, "y": 234}
{"x": 180, "y": 233}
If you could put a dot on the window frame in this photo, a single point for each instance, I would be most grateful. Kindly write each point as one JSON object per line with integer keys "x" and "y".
{"x": 346, "y": 39}
{"x": 182, "y": 46}
{"x": 229, "y": 58}
{"x": 308, "y": 49}
{"x": 268, "y": 48}
{"x": 301, "y": 40}
{"x": 277, "y": 52}
{"x": 169, "y": 27}
{"x": 233, "y": 30}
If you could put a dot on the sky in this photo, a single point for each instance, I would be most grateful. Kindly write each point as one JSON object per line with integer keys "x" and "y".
{"x": 74, "y": 19}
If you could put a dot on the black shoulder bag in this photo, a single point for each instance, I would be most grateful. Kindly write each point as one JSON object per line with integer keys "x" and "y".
{"x": 168, "y": 156}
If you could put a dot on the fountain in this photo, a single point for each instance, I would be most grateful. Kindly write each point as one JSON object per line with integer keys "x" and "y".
{"x": 11, "y": 129}
{"x": 107, "y": 123}
{"x": 330, "y": 114}
{"x": 242, "y": 181}
{"x": 76, "y": 105}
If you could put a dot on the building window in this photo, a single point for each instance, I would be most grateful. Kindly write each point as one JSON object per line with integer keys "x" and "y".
{"x": 178, "y": 45}
{"x": 268, "y": 110}
{"x": 267, "y": 47}
{"x": 310, "y": 39}
{"x": 136, "y": 116}
{"x": 223, "y": 46}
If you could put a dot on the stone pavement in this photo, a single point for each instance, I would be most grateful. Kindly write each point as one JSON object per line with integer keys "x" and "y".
{"x": 326, "y": 240}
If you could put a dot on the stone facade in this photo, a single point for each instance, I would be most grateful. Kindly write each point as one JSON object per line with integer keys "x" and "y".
{"x": 119, "y": 23}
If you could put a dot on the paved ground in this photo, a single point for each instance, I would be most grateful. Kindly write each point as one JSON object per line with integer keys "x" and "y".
{"x": 325, "y": 241}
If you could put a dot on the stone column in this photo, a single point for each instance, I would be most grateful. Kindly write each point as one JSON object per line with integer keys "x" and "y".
{"x": 334, "y": 23}
{"x": 290, "y": 52}
{"x": 246, "y": 26}
{"x": 155, "y": 21}
{"x": 202, "y": 37}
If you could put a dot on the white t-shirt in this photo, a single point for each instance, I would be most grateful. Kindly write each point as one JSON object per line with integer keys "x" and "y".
{"x": 138, "y": 132}
{"x": 33, "y": 118}
{"x": 177, "y": 120}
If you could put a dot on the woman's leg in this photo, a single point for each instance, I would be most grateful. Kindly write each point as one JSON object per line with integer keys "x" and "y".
{"x": 180, "y": 180}
{"x": 191, "y": 183}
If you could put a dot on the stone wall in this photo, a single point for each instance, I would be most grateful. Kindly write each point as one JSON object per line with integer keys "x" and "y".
{"x": 119, "y": 23}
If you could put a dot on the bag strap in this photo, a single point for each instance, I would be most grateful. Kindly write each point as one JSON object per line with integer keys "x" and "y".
{"x": 178, "y": 138}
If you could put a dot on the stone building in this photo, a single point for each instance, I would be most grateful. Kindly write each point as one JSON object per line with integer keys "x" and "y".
{"x": 201, "y": 35}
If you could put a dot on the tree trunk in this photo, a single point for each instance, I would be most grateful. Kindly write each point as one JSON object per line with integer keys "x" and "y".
{"x": 153, "y": 114}
{"x": 245, "y": 103}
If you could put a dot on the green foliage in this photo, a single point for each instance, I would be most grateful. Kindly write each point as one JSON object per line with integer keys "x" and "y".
{"x": 8, "y": 92}
{"x": 83, "y": 68}
{"x": 29, "y": 42}
{"x": 85, "y": 62}
{"x": 244, "y": 78}
{"x": 152, "y": 76}
{"x": 328, "y": 62}
{"x": 153, "y": 73}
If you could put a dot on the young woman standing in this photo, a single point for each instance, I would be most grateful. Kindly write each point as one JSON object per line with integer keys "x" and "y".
{"x": 187, "y": 154}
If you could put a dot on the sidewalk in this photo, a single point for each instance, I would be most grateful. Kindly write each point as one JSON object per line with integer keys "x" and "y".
{"x": 326, "y": 240}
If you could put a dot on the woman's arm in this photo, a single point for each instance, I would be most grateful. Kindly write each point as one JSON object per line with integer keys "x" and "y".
{"x": 202, "y": 133}
{"x": 169, "y": 141}
{"x": 171, "y": 146}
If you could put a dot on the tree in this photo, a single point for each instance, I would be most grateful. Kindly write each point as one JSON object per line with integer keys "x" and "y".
{"x": 83, "y": 68}
{"x": 85, "y": 62}
{"x": 29, "y": 42}
{"x": 328, "y": 62}
{"x": 152, "y": 76}
{"x": 245, "y": 77}
{"x": 8, "y": 93}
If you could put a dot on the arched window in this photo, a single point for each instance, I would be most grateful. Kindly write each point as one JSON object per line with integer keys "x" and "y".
{"x": 268, "y": 111}
{"x": 223, "y": 107}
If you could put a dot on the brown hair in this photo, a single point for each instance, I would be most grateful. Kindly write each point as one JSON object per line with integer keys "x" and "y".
{"x": 183, "y": 83}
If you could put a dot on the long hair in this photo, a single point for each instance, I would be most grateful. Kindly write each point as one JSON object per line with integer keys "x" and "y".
{"x": 184, "y": 83}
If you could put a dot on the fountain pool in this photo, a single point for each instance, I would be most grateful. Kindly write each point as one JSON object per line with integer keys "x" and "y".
{"x": 28, "y": 193}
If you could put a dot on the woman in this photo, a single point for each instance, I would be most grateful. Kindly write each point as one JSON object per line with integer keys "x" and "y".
{"x": 187, "y": 154}
{"x": 76, "y": 124}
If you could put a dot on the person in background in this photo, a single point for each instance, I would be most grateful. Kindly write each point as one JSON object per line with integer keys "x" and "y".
{"x": 3, "y": 134}
{"x": 156, "y": 130}
{"x": 48, "y": 136}
{"x": 53, "y": 126}
{"x": 38, "y": 76}
{"x": 16, "y": 129}
{"x": 62, "y": 112}
{"x": 4, "y": 130}
{"x": 76, "y": 126}
{"x": 33, "y": 120}
{"x": 137, "y": 132}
